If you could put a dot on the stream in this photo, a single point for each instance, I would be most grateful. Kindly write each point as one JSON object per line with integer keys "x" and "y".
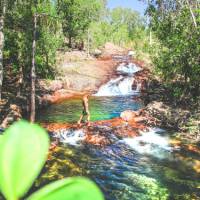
{"x": 146, "y": 167}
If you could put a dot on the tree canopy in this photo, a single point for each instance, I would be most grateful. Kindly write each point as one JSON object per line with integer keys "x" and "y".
{"x": 176, "y": 24}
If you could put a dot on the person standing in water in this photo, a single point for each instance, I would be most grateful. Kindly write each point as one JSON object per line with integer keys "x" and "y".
{"x": 85, "y": 112}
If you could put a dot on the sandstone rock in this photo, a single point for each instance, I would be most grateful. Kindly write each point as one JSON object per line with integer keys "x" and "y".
{"x": 111, "y": 49}
{"x": 128, "y": 115}
{"x": 52, "y": 85}
{"x": 56, "y": 97}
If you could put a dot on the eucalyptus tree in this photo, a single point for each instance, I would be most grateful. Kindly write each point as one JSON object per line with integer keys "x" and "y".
{"x": 119, "y": 25}
{"x": 21, "y": 35}
{"x": 126, "y": 16}
{"x": 77, "y": 16}
{"x": 45, "y": 23}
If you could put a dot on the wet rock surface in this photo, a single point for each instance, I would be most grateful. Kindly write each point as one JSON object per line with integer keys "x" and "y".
{"x": 101, "y": 133}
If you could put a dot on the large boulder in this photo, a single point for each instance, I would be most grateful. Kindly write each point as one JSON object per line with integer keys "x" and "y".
{"x": 128, "y": 115}
{"x": 56, "y": 97}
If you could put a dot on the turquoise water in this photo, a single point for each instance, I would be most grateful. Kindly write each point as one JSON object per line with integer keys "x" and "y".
{"x": 123, "y": 172}
{"x": 100, "y": 107}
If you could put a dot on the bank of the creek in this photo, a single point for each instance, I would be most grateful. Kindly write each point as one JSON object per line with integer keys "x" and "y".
{"x": 126, "y": 156}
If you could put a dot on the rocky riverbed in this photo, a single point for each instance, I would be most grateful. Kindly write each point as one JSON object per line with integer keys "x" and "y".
{"x": 159, "y": 111}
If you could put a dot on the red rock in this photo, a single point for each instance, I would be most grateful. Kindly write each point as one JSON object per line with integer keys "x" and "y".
{"x": 96, "y": 140}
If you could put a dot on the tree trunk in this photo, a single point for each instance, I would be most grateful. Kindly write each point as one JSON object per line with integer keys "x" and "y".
{"x": 2, "y": 45}
{"x": 192, "y": 14}
{"x": 150, "y": 31}
{"x": 20, "y": 81}
{"x": 47, "y": 59}
{"x": 191, "y": 11}
{"x": 150, "y": 37}
{"x": 88, "y": 43}
{"x": 70, "y": 41}
{"x": 33, "y": 73}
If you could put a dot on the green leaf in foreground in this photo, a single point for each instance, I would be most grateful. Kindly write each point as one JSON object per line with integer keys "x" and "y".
{"x": 23, "y": 152}
{"x": 69, "y": 189}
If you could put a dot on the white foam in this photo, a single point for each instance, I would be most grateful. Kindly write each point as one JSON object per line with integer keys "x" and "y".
{"x": 129, "y": 68}
{"x": 69, "y": 136}
{"x": 150, "y": 142}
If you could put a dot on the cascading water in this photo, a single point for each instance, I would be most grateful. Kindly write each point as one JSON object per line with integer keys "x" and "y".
{"x": 116, "y": 87}
{"x": 121, "y": 85}
{"x": 129, "y": 68}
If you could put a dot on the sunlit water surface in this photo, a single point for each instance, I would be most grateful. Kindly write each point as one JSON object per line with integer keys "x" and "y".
{"x": 142, "y": 168}
{"x": 100, "y": 107}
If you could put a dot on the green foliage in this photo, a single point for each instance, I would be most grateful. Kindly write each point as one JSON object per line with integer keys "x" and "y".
{"x": 120, "y": 26}
{"x": 69, "y": 189}
{"x": 19, "y": 36}
{"x": 179, "y": 50}
{"x": 50, "y": 38}
{"x": 23, "y": 151}
{"x": 77, "y": 16}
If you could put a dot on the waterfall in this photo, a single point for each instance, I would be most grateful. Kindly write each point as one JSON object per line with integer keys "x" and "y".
{"x": 122, "y": 85}
{"x": 117, "y": 87}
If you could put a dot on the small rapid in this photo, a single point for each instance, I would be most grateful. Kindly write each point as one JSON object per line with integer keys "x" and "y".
{"x": 140, "y": 168}
{"x": 153, "y": 142}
